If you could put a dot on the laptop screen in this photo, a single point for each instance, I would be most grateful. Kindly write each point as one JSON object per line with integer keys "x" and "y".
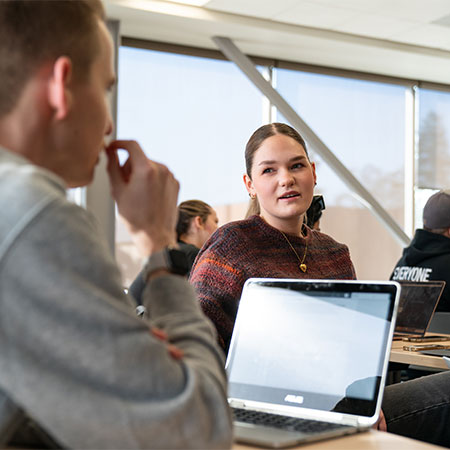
{"x": 417, "y": 304}
{"x": 311, "y": 344}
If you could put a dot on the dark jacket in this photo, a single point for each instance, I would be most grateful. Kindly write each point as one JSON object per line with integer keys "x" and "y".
{"x": 426, "y": 259}
{"x": 138, "y": 285}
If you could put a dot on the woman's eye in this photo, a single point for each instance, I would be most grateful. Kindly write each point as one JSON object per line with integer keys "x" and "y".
{"x": 268, "y": 170}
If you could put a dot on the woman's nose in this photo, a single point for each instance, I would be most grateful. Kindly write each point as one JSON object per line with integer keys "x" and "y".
{"x": 286, "y": 178}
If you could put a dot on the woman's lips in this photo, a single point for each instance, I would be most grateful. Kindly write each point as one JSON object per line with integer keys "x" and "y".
{"x": 289, "y": 196}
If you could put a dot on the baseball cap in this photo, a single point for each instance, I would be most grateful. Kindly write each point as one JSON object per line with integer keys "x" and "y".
{"x": 436, "y": 213}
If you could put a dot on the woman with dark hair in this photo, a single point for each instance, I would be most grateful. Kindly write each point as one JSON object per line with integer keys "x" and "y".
{"x": 274, "y": 242}
{"x": 197, "y": 221}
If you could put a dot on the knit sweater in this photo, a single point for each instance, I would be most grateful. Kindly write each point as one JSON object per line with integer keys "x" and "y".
{"x": 252, "y": 248}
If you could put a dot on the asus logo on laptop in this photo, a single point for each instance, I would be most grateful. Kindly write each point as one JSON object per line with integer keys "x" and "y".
{"x": 294, "y": 399}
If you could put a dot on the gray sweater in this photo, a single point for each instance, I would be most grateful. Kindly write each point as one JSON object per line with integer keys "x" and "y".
{"x": 73, "y": 354}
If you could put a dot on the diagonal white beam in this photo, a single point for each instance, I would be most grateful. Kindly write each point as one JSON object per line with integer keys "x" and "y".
{"x": 229, "y": 49}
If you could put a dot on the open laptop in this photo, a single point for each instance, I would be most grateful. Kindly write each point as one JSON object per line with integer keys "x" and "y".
{"x": 417, "y": 304}
{"x": 311, "y": 352}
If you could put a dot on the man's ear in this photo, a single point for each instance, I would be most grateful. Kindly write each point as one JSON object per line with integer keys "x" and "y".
{"x": 59, "y": 94}
{"x": 249, "y": 185}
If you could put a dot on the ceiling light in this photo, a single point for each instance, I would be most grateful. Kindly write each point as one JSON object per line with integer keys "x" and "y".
{"x": 190, "y": 2}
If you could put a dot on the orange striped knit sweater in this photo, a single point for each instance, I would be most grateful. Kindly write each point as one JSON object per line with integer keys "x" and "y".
{"x": 252, "y": 248}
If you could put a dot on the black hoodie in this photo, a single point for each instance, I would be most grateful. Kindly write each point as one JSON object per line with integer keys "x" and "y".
{"x": 426, "y": 259}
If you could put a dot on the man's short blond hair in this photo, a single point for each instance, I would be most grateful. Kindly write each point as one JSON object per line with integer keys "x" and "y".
{"x": 33, "y": 32}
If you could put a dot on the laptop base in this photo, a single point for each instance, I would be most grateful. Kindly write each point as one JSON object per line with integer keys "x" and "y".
{"x": 269, "y": 437}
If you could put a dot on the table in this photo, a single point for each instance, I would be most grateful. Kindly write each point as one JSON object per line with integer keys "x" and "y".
{"x": 370, "y": 440}
{"x": 398, "y": 355}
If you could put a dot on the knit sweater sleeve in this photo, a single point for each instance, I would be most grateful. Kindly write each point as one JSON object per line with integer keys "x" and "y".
{"x": 218, "y": 279}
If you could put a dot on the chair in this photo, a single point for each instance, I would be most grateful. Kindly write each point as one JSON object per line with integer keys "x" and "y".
{"x": 17, "y": 429}
{"x": 11, "y": 417}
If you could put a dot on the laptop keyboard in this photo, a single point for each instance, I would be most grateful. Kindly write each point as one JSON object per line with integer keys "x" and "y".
{"x": 284, "y": 422}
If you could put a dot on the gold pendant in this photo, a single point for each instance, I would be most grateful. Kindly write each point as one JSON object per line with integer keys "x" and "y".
{"x": 303, "y": 267}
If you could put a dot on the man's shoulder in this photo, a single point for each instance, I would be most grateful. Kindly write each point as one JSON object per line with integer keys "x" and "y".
{"x": 26, "y": 193}
{"x": 22, "y": 181}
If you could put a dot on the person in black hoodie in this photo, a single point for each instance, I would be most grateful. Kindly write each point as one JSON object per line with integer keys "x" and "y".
{"x": 427, "y": 258}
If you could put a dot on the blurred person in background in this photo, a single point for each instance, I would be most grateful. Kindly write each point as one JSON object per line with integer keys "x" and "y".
{"x": 196, "y": 222}
{"x": 427, "y": 258}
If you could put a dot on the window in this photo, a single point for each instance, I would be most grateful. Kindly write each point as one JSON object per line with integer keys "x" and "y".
{"x": 363, "y": 124}
{"x": 433, "y": 151}
{"x": 195, "y": 115}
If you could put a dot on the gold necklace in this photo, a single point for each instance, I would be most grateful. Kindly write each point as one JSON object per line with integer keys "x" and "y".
{"x": 302, "y": 264}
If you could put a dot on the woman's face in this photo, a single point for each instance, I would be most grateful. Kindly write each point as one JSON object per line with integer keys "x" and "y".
{"x": 209, "y": 226}
{"x": 283, "y": 180}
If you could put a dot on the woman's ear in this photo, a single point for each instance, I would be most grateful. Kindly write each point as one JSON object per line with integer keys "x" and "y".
{"x": 59, "y": 94}
{"x": 313, "y": 167}
{"x": 249, "y": 185}
{"x": 197, "y": 222}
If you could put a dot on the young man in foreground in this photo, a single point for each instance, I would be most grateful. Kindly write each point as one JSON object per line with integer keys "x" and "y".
{"x": 74, "y": 356}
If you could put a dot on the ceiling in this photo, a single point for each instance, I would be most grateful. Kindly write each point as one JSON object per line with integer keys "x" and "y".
{"x": 401, "y": 38}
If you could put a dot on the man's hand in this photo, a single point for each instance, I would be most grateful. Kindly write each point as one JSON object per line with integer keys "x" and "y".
{"x": 174, "y": 351}
{"x": 146, "y": 194}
